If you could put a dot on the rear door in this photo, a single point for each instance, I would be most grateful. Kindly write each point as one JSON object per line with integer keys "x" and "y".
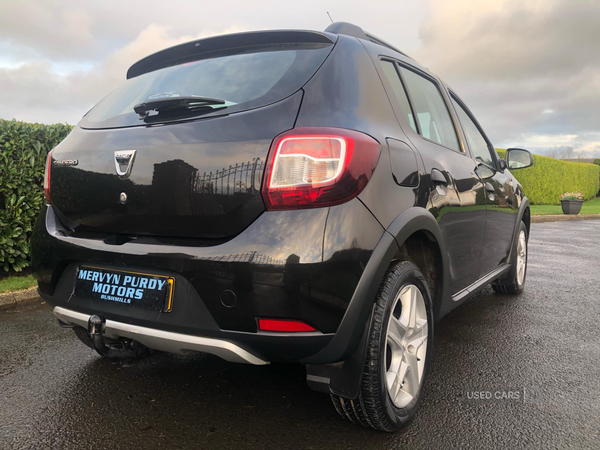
{"x": 199, "y": 179}
{"x": 193, "y": 169}
{"x": 456, "y": 192}
{"x": 501, "y": 208}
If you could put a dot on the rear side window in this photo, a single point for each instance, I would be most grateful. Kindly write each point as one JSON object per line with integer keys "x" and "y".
{"x": 477, "y": 143}
{"x": 389, "y": 68}
{"x": 244, "y": 80}
{"x": 431, "y": 111}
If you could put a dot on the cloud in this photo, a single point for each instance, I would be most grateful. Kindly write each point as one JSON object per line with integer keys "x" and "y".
{"x": 526, "y": 69}
{"x": 59, "y": 57}
{"x": 38, "y": 93}
{"x": 76, "y": 29}
{"x": 67, "y": 31}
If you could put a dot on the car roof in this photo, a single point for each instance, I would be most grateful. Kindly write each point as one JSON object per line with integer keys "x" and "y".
{"x": 375, "y": 45}
{"x": 192, "y": 50}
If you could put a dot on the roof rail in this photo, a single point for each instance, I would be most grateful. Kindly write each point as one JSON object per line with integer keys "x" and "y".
{"x": 349, "y": 29}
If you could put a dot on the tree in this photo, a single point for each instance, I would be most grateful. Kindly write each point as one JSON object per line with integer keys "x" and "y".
{"x": 563, "y": 152}
{"x": 569, "y": 153}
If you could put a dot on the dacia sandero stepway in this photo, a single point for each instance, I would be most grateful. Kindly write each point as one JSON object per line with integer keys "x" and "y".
{"x": 292, "y": 196}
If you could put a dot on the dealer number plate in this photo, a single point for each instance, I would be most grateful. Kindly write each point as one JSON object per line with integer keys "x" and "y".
{"x": 136, "y": 289}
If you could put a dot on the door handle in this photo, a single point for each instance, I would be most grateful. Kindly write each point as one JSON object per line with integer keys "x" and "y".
{"x": 438, "y": 178}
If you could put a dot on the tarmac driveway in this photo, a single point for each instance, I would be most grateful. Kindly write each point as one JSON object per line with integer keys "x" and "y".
{"x": 545, "y": 346}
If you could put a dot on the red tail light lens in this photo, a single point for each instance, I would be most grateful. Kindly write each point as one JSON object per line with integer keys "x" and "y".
{"x": 316, "y": 167}
{"x": 47, "y": 177}
{"x": 284, "y": 326}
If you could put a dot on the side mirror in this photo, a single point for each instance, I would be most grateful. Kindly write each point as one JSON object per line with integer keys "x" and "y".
{"x": 518, "y": 158}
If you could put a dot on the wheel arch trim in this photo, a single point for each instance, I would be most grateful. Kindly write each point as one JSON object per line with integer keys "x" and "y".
{"x": 353, "y": 324}
{"x": 415, "y": 220}
{"x": 523, "y": 208}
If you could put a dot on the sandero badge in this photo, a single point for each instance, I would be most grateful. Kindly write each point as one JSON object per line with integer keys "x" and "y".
{"x": 66, "y": 162}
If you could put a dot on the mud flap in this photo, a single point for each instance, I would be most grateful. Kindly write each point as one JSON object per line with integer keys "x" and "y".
{"x": 341, "y": 378}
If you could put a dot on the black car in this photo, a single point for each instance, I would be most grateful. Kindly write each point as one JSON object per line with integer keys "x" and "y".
{"x": 289, "y": 196}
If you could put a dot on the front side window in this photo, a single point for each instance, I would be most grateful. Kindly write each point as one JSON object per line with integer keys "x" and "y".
{"x": 431, "y": 111}
{"x": 477, "y": 143}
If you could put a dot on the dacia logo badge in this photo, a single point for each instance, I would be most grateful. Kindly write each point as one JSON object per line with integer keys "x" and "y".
{"x": 124, "y": 162}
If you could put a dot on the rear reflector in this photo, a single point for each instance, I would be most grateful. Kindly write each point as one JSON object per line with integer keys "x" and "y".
{"x": 288, "y": 326}
{"x": 317, "y": 167}
{"x": 47, "y": 177}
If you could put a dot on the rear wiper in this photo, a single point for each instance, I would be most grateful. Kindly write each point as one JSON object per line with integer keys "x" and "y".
{"x": 176, "y": 103}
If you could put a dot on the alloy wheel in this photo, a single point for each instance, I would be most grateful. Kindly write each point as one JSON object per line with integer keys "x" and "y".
{"x": 521, "y": 257}
{"x": 406, "y": 346}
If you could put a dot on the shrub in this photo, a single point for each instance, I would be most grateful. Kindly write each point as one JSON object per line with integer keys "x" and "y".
{"x": 549, "y": 178}
{"x": 597, "y": 162}
{"x": 23, "y": 150}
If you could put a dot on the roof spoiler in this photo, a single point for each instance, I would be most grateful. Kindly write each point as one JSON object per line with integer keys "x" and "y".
{"x": 225, "y": 44}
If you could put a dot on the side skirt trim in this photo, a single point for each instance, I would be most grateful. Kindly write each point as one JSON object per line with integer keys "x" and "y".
{"x": 494, "y": 274}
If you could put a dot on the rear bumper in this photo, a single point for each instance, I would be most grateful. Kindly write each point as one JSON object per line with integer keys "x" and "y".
{"x": 301, "y": 265}
{"x": 164, "y": 340}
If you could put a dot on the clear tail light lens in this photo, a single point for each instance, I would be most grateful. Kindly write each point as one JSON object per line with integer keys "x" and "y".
{"x": 317, "y": 167}
{"x": 47, "y": 177}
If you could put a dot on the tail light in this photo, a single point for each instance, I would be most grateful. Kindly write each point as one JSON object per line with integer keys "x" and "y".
{"x": 47, "y": 177}
{"x": 316, "y": 167}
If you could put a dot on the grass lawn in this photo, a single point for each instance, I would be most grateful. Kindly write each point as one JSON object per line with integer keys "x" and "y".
{"x": 15, "y": 283}
{"x": 589, "y": 207}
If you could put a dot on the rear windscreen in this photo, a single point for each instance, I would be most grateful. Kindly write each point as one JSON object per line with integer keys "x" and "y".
{"x": 242, "y": 80}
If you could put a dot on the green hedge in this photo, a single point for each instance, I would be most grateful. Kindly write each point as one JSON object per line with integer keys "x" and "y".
{"x": 23, "y": 150}
{"x": 549, "y": 178}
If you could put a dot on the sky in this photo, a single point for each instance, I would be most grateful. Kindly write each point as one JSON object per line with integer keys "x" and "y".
{"x": 529, "y": 70}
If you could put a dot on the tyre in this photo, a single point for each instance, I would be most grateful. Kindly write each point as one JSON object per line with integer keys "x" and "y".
{"x": 516, "y": 283}
{"x": 399, "y": 353}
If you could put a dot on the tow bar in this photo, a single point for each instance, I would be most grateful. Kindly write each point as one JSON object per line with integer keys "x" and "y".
{"x": 121, "y": 349}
